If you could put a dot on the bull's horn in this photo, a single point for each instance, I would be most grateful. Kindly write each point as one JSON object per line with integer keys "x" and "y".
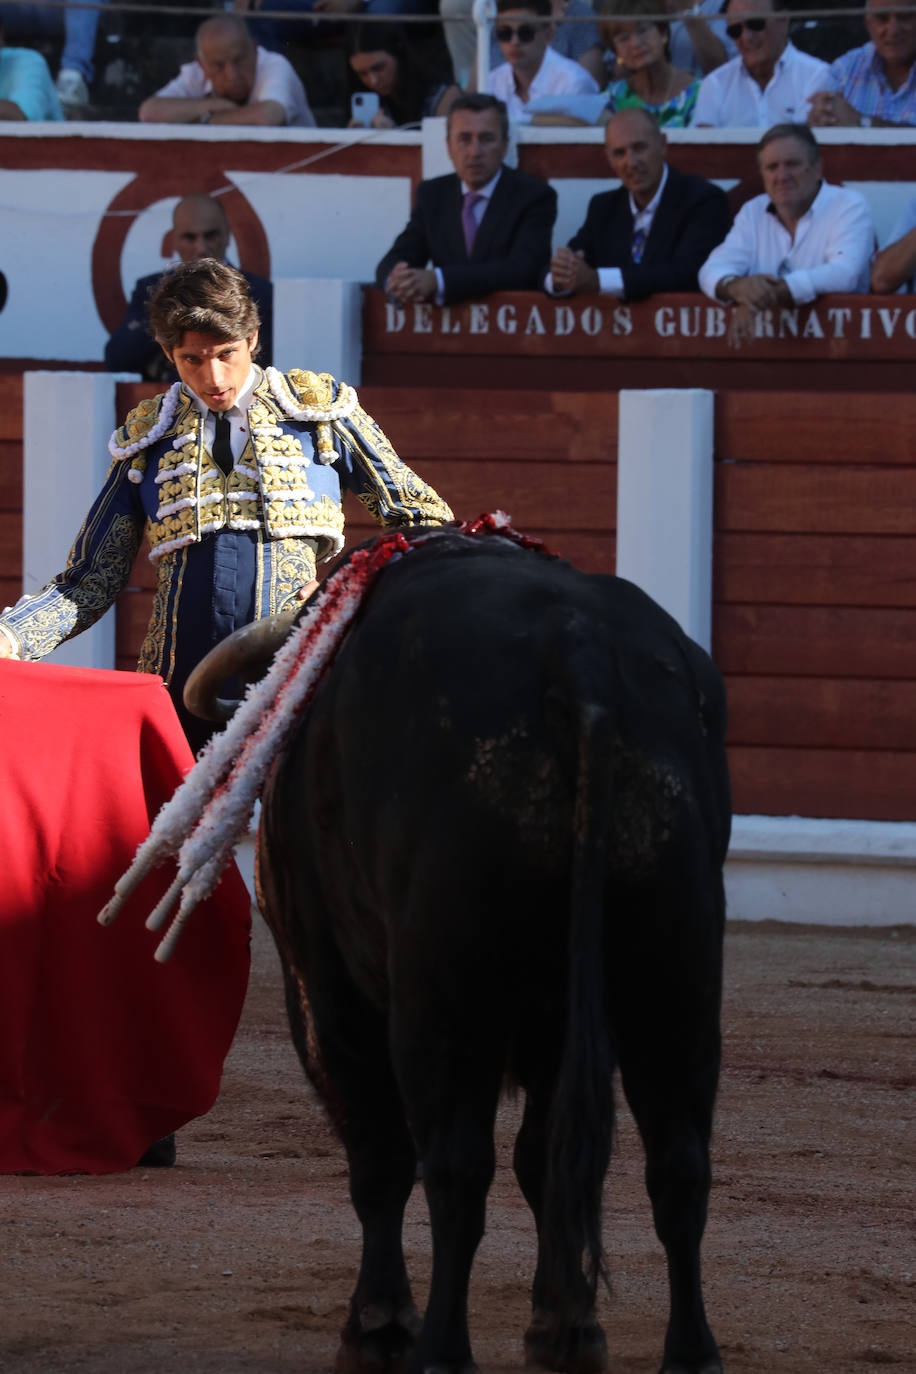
{"x": 241, "y": 654}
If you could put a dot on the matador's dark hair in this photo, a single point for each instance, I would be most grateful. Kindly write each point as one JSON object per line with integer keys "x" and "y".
{"x": 205, "y": 296}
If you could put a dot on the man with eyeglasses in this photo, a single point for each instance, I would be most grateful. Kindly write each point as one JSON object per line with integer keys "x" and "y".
{"x": 649, "y": 235}
{"x": 532, "y": 68}
{"x": 874, "y": 84}
{"x": 769, "y": 82}
{"x": 802, "y": 238}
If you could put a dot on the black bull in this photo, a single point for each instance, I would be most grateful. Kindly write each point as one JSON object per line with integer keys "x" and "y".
{"x": 493, "y": 854}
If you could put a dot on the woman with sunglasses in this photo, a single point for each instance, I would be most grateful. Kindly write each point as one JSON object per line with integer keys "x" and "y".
{"x": 381, "y": 60}
{"x": 646, "y": 79}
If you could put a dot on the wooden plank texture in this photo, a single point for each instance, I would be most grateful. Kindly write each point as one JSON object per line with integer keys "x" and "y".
{"x": 467, "y": 423}
{"x": 841, "y": 500}
{"x": 11, "y": 547}
{"x": 822, "y": 713}
{"x": 815, "y": 641}
{"x": 11, "y": 475}
{"x": 832, "y": 427}
{"x": 856, "y": 784}
{"x": 571, "y": 496}
{"x": 11, "y": 406}
{"x": 10, "y": 590}
{"x": 822, "y": 569}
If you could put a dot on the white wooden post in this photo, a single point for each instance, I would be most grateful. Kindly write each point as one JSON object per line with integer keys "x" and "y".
{"x": 664, "y": 501}
{"x": 68, "y": 420}
{"x": 318, "y": 325}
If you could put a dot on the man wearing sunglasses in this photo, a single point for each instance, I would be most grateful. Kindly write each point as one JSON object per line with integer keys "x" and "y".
{"x": 874, "y": 84}
{"x": 532, "y": 68}
{"x": 769, "y": 82}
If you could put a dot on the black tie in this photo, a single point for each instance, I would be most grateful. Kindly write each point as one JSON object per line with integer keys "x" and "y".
{"x": 222, "y": 448}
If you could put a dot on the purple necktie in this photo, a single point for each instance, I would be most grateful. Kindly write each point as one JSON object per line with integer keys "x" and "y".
{"x": 469, "y": 219}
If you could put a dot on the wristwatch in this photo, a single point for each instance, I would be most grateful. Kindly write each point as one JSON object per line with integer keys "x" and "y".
{"x": 205, "y": 117}
{"x": 865, "y": 121}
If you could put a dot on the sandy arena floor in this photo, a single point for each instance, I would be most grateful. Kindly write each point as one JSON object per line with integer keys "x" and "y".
{"x": 241, "y": 1259}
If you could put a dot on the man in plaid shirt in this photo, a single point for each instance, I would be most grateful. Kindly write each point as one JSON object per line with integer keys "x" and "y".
{"x": 874, "y": 85}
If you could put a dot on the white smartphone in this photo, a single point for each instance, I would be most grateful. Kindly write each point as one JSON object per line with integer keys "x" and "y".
{"x": 363, "y": 105}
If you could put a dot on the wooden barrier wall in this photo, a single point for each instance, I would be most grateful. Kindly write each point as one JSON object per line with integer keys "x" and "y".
{"x": 814, "y": 622}
{"x": 814, "y": 619}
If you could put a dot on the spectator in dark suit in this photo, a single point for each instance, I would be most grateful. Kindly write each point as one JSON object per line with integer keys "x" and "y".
{"x": 484, "y": 228}
{"x": 653, "y": 233}
{"x": 199, "y": 230}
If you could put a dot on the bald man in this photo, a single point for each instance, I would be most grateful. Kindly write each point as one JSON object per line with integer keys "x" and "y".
{"x": 232, "y": 80}
{"x": 650, "y": 234}
{"x": 200, "y": 229}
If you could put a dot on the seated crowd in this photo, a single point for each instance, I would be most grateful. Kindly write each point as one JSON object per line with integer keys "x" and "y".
{"x": 718, "y": 63}
{"x": 487, "y": 227}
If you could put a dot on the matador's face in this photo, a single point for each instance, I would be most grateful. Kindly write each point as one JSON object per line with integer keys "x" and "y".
{"x": 214, "y": 369}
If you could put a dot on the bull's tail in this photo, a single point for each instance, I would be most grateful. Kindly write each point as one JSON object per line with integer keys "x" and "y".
{"x": 582, "y": 1112}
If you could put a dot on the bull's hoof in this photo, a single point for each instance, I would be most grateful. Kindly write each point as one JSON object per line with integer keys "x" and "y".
{"x": 379, "y": 1341}
{"x": 572, "y": 1350}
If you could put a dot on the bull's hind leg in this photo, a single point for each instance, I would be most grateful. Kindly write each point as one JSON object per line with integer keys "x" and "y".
{"x": 450, "y": 1073}
{"x": 669, "y": 1049}
{"x": 343, "y": 1042}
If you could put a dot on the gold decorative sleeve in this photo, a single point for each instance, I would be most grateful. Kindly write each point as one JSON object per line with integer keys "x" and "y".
{"x": 390, "y": 490}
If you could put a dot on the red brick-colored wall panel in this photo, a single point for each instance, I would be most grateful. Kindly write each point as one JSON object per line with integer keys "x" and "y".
{"x": 817, "y": 499}
{"x": 822, "y": 713}
{"x": 11, "y": 551}
{"x": 816, "y": 641}
{"x": 835, "y": 428}
{"x": 467, "y": 423}
{"x": 820, "y": 569}
{"x": 831, "y": 783}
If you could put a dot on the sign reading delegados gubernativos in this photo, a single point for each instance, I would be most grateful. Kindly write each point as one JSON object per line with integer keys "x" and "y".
{"x": 649, "y": 322}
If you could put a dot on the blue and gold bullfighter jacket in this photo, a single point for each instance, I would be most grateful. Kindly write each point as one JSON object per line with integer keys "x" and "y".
{"x": 228, "y": 549}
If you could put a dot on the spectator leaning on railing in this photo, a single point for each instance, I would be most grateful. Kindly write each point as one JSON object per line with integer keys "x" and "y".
{"x": 769, "y": 81}
{"x": 651, "y": 233}
{"x": 484, "y": 228}
{"x": 802, "y": 238}
{"x": 874, "y": 84}
{"x": 231, "y": 81}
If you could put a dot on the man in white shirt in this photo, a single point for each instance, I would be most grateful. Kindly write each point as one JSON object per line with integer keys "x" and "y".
{"x": 800, "y": 239}
{"x": 532, "y": 67}
{"x": 769, "y": 82}
{"x": 231, "y": 81}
